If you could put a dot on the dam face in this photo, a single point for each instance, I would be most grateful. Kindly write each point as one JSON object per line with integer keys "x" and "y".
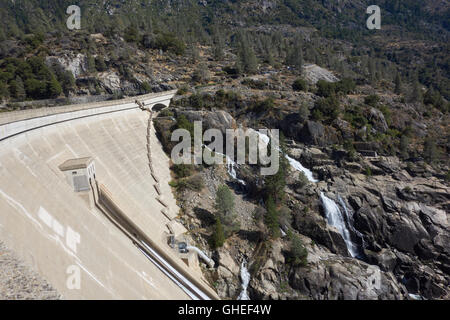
{"x": 59, "y": 234}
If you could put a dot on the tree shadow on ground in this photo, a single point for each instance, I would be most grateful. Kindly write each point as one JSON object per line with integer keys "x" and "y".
{"x": 207, "y": 218}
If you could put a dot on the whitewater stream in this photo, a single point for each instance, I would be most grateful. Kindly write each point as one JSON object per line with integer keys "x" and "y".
{"x": 245, "y": 278}
{"x": 333, "y": 213}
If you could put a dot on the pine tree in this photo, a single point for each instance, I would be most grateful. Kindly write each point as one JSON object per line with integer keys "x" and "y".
{"x": 100, "y": 64}
{"x": 275, "y": 184}
{"x": 4, "y": 92}
{"x": 271, "y": 218}
{"x": 218, "y": 237}
{"x": 90, "y": 63}
{"x": 298, "y": 252}
{"x": 218, "y": 48}
{"x": 224, "y": 201}
{"x": 247, "y": 57}
{"x": 404, "y": 142}
{"x": 416, "y": 94}
{"x": 54, "y": 88}
{"x": 294, "y": 56}
{"x": 430, "y": 150}
{"x": 398, "y": 84}
{"x": 17, "y": 89}
{"x": 225, "y": 210}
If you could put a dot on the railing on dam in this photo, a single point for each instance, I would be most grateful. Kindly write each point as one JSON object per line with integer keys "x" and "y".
{"x": 16, "y": 122}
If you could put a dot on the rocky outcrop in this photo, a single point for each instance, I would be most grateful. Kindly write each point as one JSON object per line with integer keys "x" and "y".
{"x": 327, "y": 276}
{"x": 346, "y": 279}
{"x": 218, "y": 119}
{"x": 404, "y": 226}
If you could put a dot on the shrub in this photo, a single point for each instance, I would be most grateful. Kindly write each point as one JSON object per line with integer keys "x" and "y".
{"x": 345, "y": 86}
{"x": 298, "y": 254}
{"x": 300, "y": 85}
{"x": 254, "y": 84}
{"x": 182, "y": 170}
{"x": 327, "y": 107}
{"x": 165, "y": 113}
{"x": 146, "y": 87}
{"x": 167, "y": 42}
{"x": 183, "y": 90}
{"x": 372, "y": 100}
{"x": 201, "y": 74}
{"x": 430, "y": 150}
{"x": 197, "y": 101}
{"x": 325, "y": 89}
{"x": 194, "y": 183}
{"x": 265, "y": 105}
{"x": 302, "y": 181}
{"x": 303, "y": 112}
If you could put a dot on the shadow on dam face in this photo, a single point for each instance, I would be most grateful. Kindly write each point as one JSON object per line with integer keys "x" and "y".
{"x": 44, "y": 221}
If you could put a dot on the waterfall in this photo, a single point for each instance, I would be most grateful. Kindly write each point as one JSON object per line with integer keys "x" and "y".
{"x": 298, "y": 166}
{"x": 350, "y": 223}
{"x": 336, "y": 219}
{"x": 231, "y": 166}
{"x": 294, "y": 163}
{"x": 333, "y": 212}
{"x": 245, "y": 278}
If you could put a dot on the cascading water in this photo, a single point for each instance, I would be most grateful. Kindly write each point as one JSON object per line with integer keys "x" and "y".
{"x": 336, "y": 219}
{"x": 294, "y": 163}
{"x": 231, "y": 166}
{"x": 298, "y": 166}
{"x": 245, "y": 278}
{"x": 332, "y": 211}
{"x": 349, "y": 219}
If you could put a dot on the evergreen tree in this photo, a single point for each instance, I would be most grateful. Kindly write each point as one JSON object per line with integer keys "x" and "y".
{"x": 398, "y": 84}
{"x": 247, "y": 58}
{"x": 271, "y": 218}
{"x": 404, "y": 142}
{"x": 275, "y": 184}
{"x": 294, "y": 56}
{"x": 4, "y": 92}
{"x": 224, "y": 201}
{"x": 430, "y": 150}
{"x": 90, "y": 63}
{"x": 100, "y": 64}
{"x": 17, "y": 89}
{"x": 303, "y": 112}
{"x": 218, "y": 48}
{"x": 416, "y": 93}
{"x": 218, "y": 237}
{"x": 131, "y": 34}
{"x": 225, "y": 210}
{"x": 298, "y": 254}
{"x": 54, "y": 88}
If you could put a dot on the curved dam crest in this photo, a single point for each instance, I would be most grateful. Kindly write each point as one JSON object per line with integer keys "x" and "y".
{"x": 52, "y": 228}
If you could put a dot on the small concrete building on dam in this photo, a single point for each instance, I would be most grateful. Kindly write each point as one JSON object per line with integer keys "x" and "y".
{"x": 77, "y": 193}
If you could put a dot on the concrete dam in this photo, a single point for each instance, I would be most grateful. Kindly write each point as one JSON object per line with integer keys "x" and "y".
{"x": 84, "y": 188}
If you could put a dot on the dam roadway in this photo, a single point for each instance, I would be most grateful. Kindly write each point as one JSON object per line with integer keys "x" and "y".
{"x": 55, "y": 231}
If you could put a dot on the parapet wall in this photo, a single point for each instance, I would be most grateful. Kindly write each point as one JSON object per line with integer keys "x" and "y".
{"x": 16, "y": 122}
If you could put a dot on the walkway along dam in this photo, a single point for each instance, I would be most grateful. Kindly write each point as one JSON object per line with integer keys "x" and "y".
{"x": 84, "y": 187}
